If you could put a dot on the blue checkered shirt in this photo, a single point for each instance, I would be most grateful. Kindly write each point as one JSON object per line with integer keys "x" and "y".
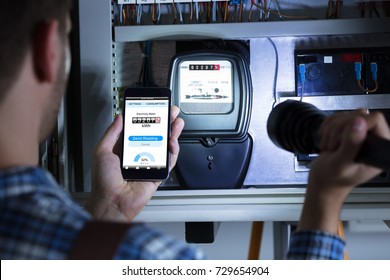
{"x": 38, "y": 220}
{"x": 315, "y": 245}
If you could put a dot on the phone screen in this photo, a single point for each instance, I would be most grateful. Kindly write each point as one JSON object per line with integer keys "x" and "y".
{"x": 145, "y": 135}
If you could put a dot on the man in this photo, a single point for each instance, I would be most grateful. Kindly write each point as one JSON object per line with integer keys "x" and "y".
{"x": 333, "y": 175}
{"x": 37, "y": 219}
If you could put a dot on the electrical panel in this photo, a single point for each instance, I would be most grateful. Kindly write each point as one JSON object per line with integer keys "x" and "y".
{"x": 342, "y": 72}
{"x": 134, "y": 32}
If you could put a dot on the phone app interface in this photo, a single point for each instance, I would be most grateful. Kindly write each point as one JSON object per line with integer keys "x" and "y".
{"x": 146, "y": 132}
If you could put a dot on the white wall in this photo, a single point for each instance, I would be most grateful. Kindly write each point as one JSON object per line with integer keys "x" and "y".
{"x": 232, "y": 241}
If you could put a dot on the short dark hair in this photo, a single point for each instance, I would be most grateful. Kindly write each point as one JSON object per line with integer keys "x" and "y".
{"x": 18, "y": 21}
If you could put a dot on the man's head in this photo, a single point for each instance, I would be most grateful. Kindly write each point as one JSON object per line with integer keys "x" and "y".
{"x": 34, "y": 33}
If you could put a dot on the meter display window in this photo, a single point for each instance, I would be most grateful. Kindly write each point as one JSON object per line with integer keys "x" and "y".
{"x": 206, "y": 87}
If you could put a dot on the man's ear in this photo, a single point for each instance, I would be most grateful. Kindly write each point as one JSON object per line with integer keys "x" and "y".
{"x": 46, "y": 51}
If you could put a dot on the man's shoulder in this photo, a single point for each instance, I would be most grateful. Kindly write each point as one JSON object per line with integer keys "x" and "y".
{"x": 33, "y": 188}
{"x": 146, "y": 243}
{"x": 24, "y": 180}
{"x": 24, "y": 175}
{"x": 36, "y": 215}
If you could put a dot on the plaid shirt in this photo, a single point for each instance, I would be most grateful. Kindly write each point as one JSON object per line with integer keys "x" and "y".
{"x": 38, "y": 220}
{"x": 315, "y": 245}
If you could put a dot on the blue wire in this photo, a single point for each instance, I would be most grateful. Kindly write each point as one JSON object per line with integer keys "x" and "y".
{"x": 374, "y": 70}
{"x": 358, "y": 70}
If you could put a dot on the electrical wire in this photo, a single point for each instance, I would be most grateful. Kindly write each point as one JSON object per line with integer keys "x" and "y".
{"x": 208, "y": 11}
{"x": 133, "y": 14}
{"x": 191, "y": 12}
{"x": 241, "y": 5}
{"x": 197, "y": 11}
{"x": 214, "y": 11}
{"x": 268, "y": 9}
{"x": 159, "y": 13}
{"x": 329, "y": 12}
{"x": 226, "y": 15}
{"x": 128, "y": 12}
{"x": 233, "y": 11}
{"x": 226, "y": 11}
{"x": 262, "y": 12}
{"x": 145, "y": 77}
{"x": 121, "y": 14}
{"x": 302, "y": 78}
{"x": 368, "y": 90}
{"x": 276, "y": 5}
{"x": 276, "y": 70}
{"x": 154, "y": 17}
{"x": 201, "y": 10}
{"x": 279, "y": 14}
{"x": 232, "y": 18}
{"x": 334, "y": 8}
{"x": 250, "y": 12}
{"x": 302, "y": 91}
{"x": 338, "y": 8}
{"x": 180, "y": 13}
{"x": 374, "y": 76}
{"x": 174, "y": 13}
{"x": 139, "y": 13}
{"x": 372, "y": 7}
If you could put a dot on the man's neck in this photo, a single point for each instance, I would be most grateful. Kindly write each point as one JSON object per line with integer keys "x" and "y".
{"x": 19, "y": 142}
{"x": 16, "y": 149}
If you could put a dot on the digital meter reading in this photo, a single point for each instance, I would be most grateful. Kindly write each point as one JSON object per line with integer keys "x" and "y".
{"x": 206, "y": 88}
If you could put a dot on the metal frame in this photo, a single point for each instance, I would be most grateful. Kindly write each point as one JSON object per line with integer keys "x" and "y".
{"x": 276, "y": 203}
{"x": 249, "y": 30}
{"x": 96, "y": 76}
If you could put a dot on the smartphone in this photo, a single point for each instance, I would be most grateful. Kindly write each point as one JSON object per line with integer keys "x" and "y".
{"x": 147, "y": 125}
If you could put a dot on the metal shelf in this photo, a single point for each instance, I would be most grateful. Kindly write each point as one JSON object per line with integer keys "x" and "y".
{"x": 346, "y": 102}
{"x": 248, "y": 30}
{"x": 277, "y": 203}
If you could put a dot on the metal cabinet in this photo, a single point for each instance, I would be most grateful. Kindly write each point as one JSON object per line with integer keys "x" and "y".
{"x": 273, "y": 189}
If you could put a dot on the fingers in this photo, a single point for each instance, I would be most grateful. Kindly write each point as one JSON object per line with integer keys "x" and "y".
{"x": 326, "y": 132}
{"x": 175, "y": 111}
{"x": 377, "y": 124}
{"x": 344, "y": 133}
{"x": 174, "y": 148}
{"x": 111, "y": 136}
{"x": 352, "y": 139}
{"x": 332, "y": 128}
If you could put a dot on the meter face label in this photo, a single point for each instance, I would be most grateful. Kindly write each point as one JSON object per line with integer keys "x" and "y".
{"x": 206, "y": 86}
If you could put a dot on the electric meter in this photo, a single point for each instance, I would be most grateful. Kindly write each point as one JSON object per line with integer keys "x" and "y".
{"x": 213, "y": 91}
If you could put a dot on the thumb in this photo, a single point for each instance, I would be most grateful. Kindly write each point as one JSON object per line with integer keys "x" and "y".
{"x": 110, "y": 137}
{"x": 352, "y": 139}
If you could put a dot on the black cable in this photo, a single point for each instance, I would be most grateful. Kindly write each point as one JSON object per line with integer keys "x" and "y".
{"x": 147, "y": 76}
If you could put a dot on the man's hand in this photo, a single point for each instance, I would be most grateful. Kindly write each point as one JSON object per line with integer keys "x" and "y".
{"x": 113, "y": 198}
{"x": 334, "y": 174}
